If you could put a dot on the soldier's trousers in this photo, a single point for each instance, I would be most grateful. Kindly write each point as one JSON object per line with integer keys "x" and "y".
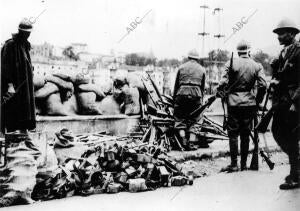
{"x": 239, "y": 124}
{"x": 285, "y": 129}
{"x": 184, "y": 106}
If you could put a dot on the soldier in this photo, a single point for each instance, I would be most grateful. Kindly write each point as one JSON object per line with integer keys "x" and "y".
{"x": 18, "y": 111}
{"x": 286, "y": 98}
{"x": 188, "y": 94}
{"x": 241, "y": 78}
{"x": 17, "y": 117}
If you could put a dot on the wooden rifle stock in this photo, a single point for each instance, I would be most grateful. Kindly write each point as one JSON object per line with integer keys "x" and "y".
{"x": 199, "y": 110}
{"x": 255, "y": 138}
{"x": 262, "y": 126}
{"x": 267, "y": 159}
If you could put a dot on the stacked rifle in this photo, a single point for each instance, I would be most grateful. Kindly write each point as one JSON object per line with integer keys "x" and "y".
{"x": 159, "y": 122}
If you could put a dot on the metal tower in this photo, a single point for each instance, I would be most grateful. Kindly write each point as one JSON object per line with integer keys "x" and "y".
{"x": 203, "y": 33}
{"x": 217, "y": 11}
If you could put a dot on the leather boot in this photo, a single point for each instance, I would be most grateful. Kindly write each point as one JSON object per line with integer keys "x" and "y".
{"x": 233, "y": 147}
{"x": 230, "y": 168}
{"x": 290, "y": 183}
{"x": 244, "y": 152}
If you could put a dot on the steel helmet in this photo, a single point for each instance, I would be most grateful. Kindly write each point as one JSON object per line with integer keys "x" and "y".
{"x": 25, "y": 25}
{"x": 193, "y": 54}
{"x": 243, "y": 46}
{"x": 286, "y": 24}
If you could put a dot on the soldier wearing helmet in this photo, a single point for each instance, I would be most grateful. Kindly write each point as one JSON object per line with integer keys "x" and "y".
{"x": 18, "y": 114}
{"x": 188, "y": 95}
{"x": 17, "y": 86}
{"x": 246, "y": 87}
{"x": 286, "y": 95}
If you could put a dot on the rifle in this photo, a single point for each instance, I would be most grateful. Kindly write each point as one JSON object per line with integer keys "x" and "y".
{"x": 254, "y": 160}
{"x": 267, "y": 159}
{"x": 262, "y": 126}
{"x": 223, "y": 94}
{"x": 157, "y": 100}
{"x": 224, "y": 97}
{"x": 200, "y": 110}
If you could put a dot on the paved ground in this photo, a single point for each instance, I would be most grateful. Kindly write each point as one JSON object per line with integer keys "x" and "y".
{"x": 220, "y": 148}
{"x": 241, "y": 191}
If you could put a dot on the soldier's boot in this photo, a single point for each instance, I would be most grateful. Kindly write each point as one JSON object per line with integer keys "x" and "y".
{"x": 244, "y": 152}
{"x": 233, "y": 147}
{"x": 185, "y": 143}
{"x": 230, "y": 168}
{"x": 292, "y": 180}
{"x": 191, "y": 142}
{"x": 290, "y": 183}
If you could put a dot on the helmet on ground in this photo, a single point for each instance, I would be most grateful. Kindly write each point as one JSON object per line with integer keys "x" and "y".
{"x": 286, "y": 24}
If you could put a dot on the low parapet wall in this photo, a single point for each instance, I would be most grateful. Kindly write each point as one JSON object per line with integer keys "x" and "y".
{"x": 114, "y": 124}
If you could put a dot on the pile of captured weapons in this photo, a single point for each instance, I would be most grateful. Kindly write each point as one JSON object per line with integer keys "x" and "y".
{"x": 111, "y": 167}
{"x": 158, "y": 127}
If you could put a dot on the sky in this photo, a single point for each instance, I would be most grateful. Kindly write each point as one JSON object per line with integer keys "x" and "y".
{"x": 169, "y": 28}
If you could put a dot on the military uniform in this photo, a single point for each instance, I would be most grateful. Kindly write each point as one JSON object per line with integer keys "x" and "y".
{"x": 18, "y": 116}
{"x": 241, "y": 81}
{"x": 285, "y": 127}
{"x": 18, "y": 112}
{"x": 286, "y": 99}
{"x": 188, "y": 94}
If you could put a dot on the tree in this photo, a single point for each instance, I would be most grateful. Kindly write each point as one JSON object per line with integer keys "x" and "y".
{"x": 168, "y": 63}
{"x": 264, "y": 59}
{"x": 135, "y": 59}
{"x": 218, "y": 55}
{"x": 69, "y": 53}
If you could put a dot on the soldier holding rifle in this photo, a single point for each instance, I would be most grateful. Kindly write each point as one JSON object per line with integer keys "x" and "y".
{"x": 17, "y": 117}
{"x": 286, "y": 99}
{"x": 238, "y": 82}
{"x": 188, "y": 96}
